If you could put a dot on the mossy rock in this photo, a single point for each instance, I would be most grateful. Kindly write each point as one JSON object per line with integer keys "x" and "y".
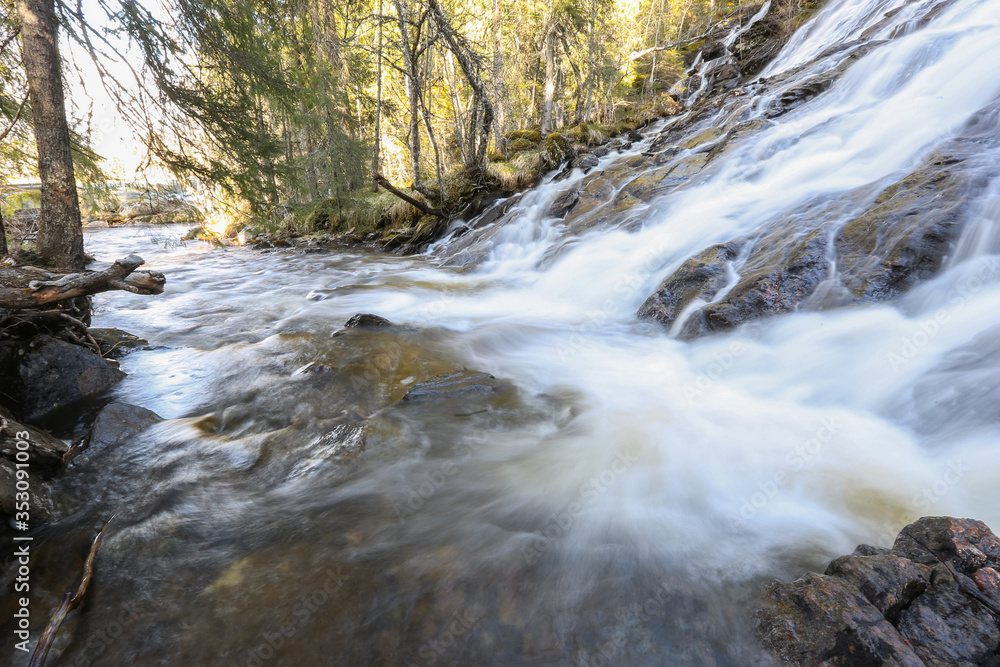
{"x": 556, "y": 150}
{"x": 530, "y": 135}
{"x": 521, "y": 145}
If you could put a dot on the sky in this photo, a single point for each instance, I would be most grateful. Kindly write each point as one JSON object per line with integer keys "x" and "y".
{"x": 111, "y": 135}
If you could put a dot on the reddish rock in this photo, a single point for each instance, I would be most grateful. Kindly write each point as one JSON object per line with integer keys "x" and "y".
{"x": 934, "y": 599}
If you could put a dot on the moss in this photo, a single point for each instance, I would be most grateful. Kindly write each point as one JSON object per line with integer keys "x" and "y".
{"x": 555, "y": 150}
{"x": 587, "y": 134}
{"x": 520, "y": 145}
{"x": 530, "y": 135}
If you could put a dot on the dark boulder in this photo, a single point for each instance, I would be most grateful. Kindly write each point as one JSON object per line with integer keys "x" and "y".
{"x": 585, "y": 162}
{"x": 118, "y": 422}
{"x": 700, "y": 277}
{"x": 564, "y": 203}
{"x": 367, "y": 320}
{"x": 51, "y": 374}
{"x": 932, "y": 599}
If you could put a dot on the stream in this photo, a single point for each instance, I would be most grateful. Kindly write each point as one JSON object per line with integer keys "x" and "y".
{"x": 519, "y": 471}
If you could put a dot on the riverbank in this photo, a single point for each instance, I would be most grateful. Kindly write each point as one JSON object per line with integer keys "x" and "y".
{"x": 383, "y": 221}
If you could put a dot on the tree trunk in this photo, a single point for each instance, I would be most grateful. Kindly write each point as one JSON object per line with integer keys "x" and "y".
{"x": 481, "y": 110}
{"x": 549, "y": 91}
{"x": 410, "y": 66}
{"x": 377, "y": 147}
{"x": 3, "y": 237}
{"x": 498, "y": 86}
{"x": 60, "y": 238}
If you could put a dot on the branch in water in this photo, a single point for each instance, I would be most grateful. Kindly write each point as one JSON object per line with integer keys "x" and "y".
{"x": 68, "y": 604}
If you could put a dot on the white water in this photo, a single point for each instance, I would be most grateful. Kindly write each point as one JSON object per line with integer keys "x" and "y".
{"x": 796, "y": 438}
{"x": 707, "y": 451}
{"x": 714, "y": 425}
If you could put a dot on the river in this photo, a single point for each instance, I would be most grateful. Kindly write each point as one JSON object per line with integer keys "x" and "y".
{"x": 520, "y": 471}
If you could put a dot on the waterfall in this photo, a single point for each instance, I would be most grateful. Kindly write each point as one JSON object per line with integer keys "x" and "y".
{"x": 524, "y": 457}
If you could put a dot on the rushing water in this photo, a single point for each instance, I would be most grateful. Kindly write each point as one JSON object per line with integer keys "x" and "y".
{"x": 614, "y": 495}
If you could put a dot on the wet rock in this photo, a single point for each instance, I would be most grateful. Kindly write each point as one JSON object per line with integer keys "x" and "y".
{"x": 41, "y": 505}
{"x": 904, "y": 236}
{"x": 963, "y": 544}
{"x": 116, "y": 343}
{"x": 919, "y": 604}
{"x": 564, "y": 203}
{"x": 762, "y": 41}
{"x": 822, "y": 620}
{"x": 367, "y": 320}
{"x": 713, "y": 50}
{"x": 454, "y": 385}
{"x": 881, "y": 239}
{"x": 799, "y": 95}
{"x": 118, "y": 422}
{"x": 700, "y": 277}
{"x": 44, "y": 450}
{"x": 778, "y": 274}
{"x": 585, "y": 162}
{"x": 52, "y": 374}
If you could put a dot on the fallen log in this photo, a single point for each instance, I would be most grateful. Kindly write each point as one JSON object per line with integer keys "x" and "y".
{"x": 384, "y": 182}
{"x": 31, "y": 287}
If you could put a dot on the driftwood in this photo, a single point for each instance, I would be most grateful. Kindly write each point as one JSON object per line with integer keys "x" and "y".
{"x": 384, "y": 182}
{"x": 30, "y": 287}
{"x": 68, "y": 604}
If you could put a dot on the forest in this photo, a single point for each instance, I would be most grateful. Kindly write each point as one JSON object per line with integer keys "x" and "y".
{"x": 287, "y": 110}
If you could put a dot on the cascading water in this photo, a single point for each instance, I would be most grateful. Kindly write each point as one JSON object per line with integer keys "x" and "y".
{"x": 613, "y": 495}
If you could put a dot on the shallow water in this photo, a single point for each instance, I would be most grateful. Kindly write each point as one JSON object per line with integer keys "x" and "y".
{"x": 612, "y": 495}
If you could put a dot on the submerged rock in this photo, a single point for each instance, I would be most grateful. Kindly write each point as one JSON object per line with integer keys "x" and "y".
{"x": 932, "y": 599}
{"x": 460, "y": 384}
